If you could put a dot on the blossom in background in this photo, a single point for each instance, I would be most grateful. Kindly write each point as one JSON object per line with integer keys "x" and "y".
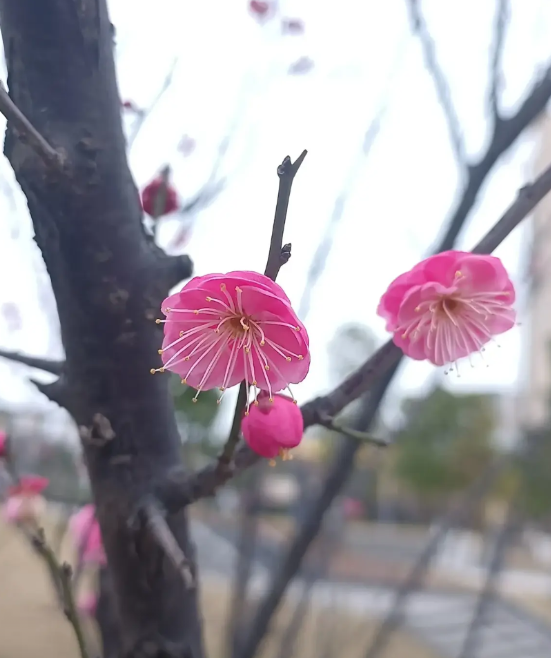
{"x": 186, "y": 145}
{"x": 260, "y": 9}
{"x": 273, "y": 426}
{"x": 292, "y": 26}
{"x": 449, "y": 306}
{"x": 129, "y": 105}
{"x": 301, "y": 66}
{"x": 152, "y": 191}
{"x": 85, "y": 531}
{"x": 87, "y": 602}
{"x": 3, "y": 444}
{"x": 25, "y": 504}
{"x": 221, "y": 329}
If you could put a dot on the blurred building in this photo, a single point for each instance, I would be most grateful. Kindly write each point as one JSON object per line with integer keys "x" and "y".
{"x": 536, "y": 391}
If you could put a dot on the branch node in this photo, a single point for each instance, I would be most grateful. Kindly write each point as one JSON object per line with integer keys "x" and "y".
{"x": 155, "y": 522}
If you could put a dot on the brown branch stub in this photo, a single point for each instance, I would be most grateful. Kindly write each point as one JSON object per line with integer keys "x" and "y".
{"x": 99, "y": 433}
{"x": 158, "y": 527}
{"x": 58, "y": 391}
{"x": 47, "y": 365}
{"x": 26, "y": 132}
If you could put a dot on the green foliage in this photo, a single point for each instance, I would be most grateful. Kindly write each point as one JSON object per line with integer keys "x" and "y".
{"x": 445, "y": 442}
{"x": 534, "y": 470}
{"x": 202, "y": 412}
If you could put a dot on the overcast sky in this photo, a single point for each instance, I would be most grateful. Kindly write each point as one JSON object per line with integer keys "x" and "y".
{"x": 364, "y": 57}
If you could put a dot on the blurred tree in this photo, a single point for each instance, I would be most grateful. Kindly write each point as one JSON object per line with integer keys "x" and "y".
{"x": 445, "y": 443}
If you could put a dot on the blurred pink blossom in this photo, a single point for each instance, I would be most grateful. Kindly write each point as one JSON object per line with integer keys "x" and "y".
{"x": 85, "y": 531}
{"x": 449, "y": 306}
{"x": 3, "y": 444}
{"x": 301, "y": 66}
{"x": 292, "y": 26}
{"x": 187, "y": 145}
{"x": 273, "y": 426}
{"x": 221, "y": 329}
{"x": 260, "y": 9}
{"x": 25, "y": 503}
{"x": 87, "y": 602}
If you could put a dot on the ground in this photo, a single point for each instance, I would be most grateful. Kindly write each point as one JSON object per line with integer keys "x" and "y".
{"x": 32, "y": 625}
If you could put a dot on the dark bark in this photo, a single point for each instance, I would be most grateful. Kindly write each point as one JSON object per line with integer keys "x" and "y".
{"x": 108, "y": 281}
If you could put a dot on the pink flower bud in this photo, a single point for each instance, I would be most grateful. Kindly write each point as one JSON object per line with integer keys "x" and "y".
{"x": 149, "y": 195}
{"x": 273, "y": 426}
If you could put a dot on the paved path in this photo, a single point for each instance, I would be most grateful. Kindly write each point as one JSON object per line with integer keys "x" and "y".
{"x": 439, "y": 619}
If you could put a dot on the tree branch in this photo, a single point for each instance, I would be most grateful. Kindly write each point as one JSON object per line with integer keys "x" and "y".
{"x": 496, "y": 78}
{"x": 28, "y": 134}
{"x": 156, "y": 524}
{"x": 439, "y": 79}
{"x": 47, "y": 365}
{"x": 63, "y": 573}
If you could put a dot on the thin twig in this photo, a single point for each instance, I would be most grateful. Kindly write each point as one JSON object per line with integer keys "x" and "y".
{"x": 158, "y": 527}
{"x": 63, "y": 572}
{"x": 278, "y": 255}
{"x": 362, "y": 437}
{"x": 496, "y": 77}
{"x": 439, "y": 79}
{"x": 28, "y": 133}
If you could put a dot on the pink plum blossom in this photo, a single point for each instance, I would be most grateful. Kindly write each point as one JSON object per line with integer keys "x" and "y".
{"x": 86, "y": 533}
{"x": 221, "y": 329}
{"x": 273, "y": 426}
{"x": 25, "y": 503}
{"x": 449, "y": 306}
{"x": 3, "y": 444}
{"x": 87, "y": 602}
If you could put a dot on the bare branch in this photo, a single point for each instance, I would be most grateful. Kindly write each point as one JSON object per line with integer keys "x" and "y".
{"x": 159, "y": 529}
{"x": 63, "y": 572}
{"x": 58, "y": 392}
{"x": 47, "y": 365}
{"x": 27, "y": 133}
{"x": 496, "y": 78}
{"x": 277, "y": 256}
{"x": 144, "y": 114}
{"x": 439, "y": 80}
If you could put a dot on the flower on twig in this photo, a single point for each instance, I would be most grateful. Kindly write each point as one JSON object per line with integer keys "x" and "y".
{"x": 449, "y": 306}
{"x": 221, "y": 329}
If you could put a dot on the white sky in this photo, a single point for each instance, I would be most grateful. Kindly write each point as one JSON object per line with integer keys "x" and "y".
{"x": 230, "y": 65}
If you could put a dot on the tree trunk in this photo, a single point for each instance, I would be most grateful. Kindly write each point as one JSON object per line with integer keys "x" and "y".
{"x": 109, "y": 281}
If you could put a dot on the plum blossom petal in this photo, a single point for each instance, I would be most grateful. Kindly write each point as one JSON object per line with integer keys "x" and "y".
{"x": 449, "y": 306}
{"x": 221, "y": 329}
